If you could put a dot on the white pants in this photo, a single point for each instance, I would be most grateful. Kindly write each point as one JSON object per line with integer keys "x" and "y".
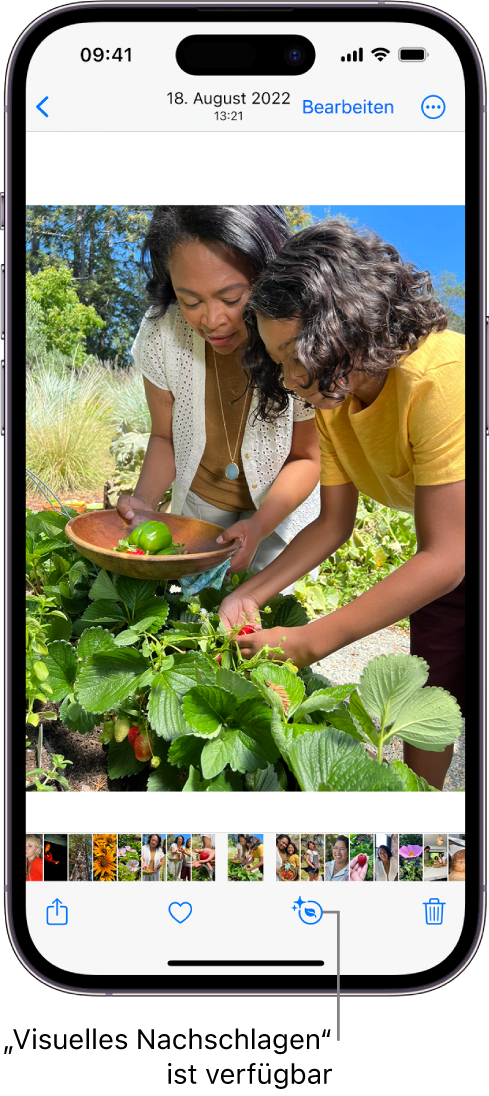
{"x": 268, "y": 549}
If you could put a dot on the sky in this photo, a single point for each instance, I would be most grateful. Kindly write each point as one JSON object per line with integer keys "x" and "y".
{"x": 430, "y": 236}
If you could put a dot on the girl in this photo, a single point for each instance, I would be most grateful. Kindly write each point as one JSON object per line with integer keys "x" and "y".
{"x": 187, "y": 861}
{"x": 33, "y": 858}
{"x": 255, "y": 478}
{"x": 312, "y": 862}
{"x": 339, "y": 318}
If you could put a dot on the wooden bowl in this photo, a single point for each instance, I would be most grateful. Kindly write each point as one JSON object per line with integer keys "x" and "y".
{"x": 95, "y": 534}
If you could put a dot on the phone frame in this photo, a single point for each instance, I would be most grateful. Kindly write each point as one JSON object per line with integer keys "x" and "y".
{"x": 235, "y": 984}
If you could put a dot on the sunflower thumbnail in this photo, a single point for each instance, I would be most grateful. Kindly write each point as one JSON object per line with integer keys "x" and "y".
{"x": 105, "y": 857}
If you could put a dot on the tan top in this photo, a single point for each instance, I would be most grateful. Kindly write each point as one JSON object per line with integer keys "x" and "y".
{"x": 210, "y": 482}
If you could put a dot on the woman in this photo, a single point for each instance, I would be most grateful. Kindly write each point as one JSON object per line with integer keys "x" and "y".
{"x": 187, "y": 861}
{"x": 336, "y": 870}
{"x": 33, "y": 857}
{"x": 339, "y": 318}
{"x": 241, "y": 849}
{"x": 175, "y": 859}
{"x": 387, "y": 867}
{"x": 312, "y": 862}
{"x": 291, "y": 864}
{"x": 153, "y": 859}
{"x": 256, "y": 479}
{"x": 281, "y": 846}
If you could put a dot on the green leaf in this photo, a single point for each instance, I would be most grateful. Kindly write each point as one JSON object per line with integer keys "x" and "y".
{"x": 185, "y": 751}
{"x": 388, "y": 681}
{"x": 412, "y": 782}
{"x": 290, "y": 614}
{"x": 329, "y": 760}
{"x": 429, "y": 720}
{"x": 195, "y": 782}
{"x": 239, "y": 686}
{"x": 94, "y": 639}
{"x": 183, "y": 674}
{"x": 122, "y": 761}
{"x": 216, "y": 754}
{"x": 344, "y": 721}
{"x": 284, "y": 678}
{"x": 104, "y": 612}
{"x": 108, "y": 677}
{"x": 151, "y": 615}
{"x": 164, "y": 712}
{"x": 207, "y": 708}
{"x": 324, "y": 700}
{"x": 279, "y": 733}
{"x": 244, "y": 757}
{"x": 57, "y": 627}
{"x": 62, "y": 664}
{"x": 41, "y": 671}
{"x": 127, "y": 638}
{"x": 313, "y": 681}
{"x": 103, "y": 588}
{"x": 359, "y": 712}
{"x": 76, "y": 718}
{"x": 254, "y": 718}
{"x": 267, "y": 780}
{"x": 134, "y": 592}
{"x": 225, "y": 782}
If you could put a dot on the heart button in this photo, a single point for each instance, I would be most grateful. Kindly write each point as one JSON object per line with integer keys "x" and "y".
{"x": 180, "y": 911}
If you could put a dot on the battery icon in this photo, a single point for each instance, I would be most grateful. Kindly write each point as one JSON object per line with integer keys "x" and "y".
{"x": 412, "y": 54}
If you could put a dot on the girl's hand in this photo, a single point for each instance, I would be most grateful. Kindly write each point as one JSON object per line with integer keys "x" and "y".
{"x": 357, "y": 873}
{"x": 250, "y": 538}
{"x": 238, "y": 608}
{"x": 290, "y": 640}
{"x": 128, "y": 504}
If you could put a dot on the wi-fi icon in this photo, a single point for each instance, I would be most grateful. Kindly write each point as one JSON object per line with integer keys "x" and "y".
{"x": 380, "y": 52}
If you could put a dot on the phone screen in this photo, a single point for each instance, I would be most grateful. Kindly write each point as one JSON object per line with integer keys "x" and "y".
{"x": 245, "y": 310}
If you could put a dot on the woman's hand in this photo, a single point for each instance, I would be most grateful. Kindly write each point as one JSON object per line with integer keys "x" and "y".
{"x": 250, "y": 537}
{"x": 128, "y": 504}
{"x": 239, "y": 609}
{"x": 357, "y": 873}
{"x": 290, "y": 640}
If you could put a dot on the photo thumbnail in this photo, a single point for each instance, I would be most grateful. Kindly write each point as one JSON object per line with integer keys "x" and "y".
{"x": 312, "y": 857}
{"x": 198, "y": 379}
{"x": 80, "y": 858}
{"x": 361, "y": 857}
{"x": 336, "y": 858}
{"x": 203, "y": 857}
{"x": 245, "y": 857}
{"x": 456, "y": 849}
{"x": 153, "y": 857}
{"x": 435, "y": 857}
{"x": 105, "y": 857}
{"x": 386, "y": 857}
{"x": 179, "y": 858}
{"x": 34, "y": 850}
{"x": 288, "y": 857}
{"x": 411, "y": 857}
{"x": 129, "y": 857}
{"x": 55, "y": 857}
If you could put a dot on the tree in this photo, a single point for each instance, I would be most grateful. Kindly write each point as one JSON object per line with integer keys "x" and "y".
{"x": 61, "y": 320}
{"x": 451, "y": 295}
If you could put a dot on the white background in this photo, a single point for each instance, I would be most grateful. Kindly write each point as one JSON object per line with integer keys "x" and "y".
{"x": 435, "y": 1042}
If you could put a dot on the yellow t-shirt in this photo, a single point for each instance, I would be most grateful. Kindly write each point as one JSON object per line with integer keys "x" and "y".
{"x": 257, "y": 854}
{"x": 411, "y": 435}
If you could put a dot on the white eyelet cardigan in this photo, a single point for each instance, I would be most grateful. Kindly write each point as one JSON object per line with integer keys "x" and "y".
{"x": 172, "y": 356}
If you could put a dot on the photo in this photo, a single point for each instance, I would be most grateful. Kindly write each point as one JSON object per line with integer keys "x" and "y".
{"x": 245, "y": 857}
{"x": 361, "y": 857}
{"x": 80, "y": 858}
{"x": 312, "y": 857}
{"x": 34, "y": 851}
{"x": 105, "y": 857}
{"x": 435, "y": 857}
{"x": 179, "y": 858}
{"x": 128, "y": 857}
{"x": 456, "y": 853}
{"x": 153, "y": 857}
{"x": 336, "y": 858}
{"x": 176, "y": 460}
{"x": 203, "y": 857}
{"x": 411, "y": 857}
{"x": 386, "y": 857}
{"x": 287, "y": 857}
{"x": 55, "y": 857}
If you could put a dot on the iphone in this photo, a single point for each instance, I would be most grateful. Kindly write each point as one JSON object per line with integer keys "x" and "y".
{"x": 235, "y": 317}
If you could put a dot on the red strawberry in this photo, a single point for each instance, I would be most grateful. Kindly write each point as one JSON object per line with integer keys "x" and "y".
{"x": 142, "y": 748}
{"x": 218, "y": 659}
{"x": 247, "y": 630}
{"x": 136, "y": 552}
{"x": 362, "y": 860}
{"x": 133, "y": 734}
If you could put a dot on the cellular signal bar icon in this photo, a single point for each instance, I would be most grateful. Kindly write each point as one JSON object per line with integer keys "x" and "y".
{"x": 355, "y": 56}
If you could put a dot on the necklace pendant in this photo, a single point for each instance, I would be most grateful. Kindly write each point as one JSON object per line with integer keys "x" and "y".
{"x": 231, "y": 471}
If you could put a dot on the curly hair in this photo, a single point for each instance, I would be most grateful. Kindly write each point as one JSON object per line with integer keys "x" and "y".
{"x": 387, "y": 850}
{"x": 150, "y": 835}
{"x": 357, "y": 301}
{"x": 255, "y": 233}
